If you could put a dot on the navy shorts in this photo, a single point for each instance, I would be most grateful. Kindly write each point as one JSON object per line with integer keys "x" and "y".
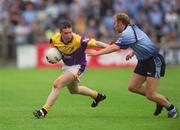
{"x": 153, "y": 67}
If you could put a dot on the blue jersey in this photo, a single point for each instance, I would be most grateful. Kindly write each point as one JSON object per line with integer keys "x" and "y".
{"x": 136, "y": 39}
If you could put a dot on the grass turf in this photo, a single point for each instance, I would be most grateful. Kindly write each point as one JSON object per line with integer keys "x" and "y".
{"x": 22, "y": 91}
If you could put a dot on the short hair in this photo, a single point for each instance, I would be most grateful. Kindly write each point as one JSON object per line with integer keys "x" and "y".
{"x": 124, "y": 18}
{"x": 65, "y": 24}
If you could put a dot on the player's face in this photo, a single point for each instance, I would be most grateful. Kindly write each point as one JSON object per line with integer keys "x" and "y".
{"x": 67, "y": 35}
{"x": 118, "y": 27}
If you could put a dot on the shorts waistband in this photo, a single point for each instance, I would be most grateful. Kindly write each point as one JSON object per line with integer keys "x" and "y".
{"x": 149, "y": 58}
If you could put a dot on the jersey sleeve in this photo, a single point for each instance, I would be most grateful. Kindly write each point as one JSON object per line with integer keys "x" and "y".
{"x": 89, "y": 42}
{"x": 126, "y": 39}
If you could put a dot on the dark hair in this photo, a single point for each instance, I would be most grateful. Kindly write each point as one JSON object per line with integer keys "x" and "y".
{"x": 65, "y": 24}
{"x": 124, "y": 18}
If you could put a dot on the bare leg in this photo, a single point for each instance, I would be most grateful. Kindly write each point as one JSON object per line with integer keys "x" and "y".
{"x": 135, "y": 84}
{"x": 83, "y": 90}
{"x": 153, "y": 95}
{"x": 62, "y": 80}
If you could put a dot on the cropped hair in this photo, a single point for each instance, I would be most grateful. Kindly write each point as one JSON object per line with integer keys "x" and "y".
{"x": 122, "y": 17}
{"x": 65, "y": 24}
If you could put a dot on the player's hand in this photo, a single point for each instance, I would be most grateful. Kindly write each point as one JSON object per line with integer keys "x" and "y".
{"x": 129, "y": 55}
{"x": 91, "y": 52}
{"x": 49, "y": 60}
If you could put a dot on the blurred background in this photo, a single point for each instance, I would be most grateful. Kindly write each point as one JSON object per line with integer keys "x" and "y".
{"x": 25, "y": 24}
{"x": 25, "y": 29}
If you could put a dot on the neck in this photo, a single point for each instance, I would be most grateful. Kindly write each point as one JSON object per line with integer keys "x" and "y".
{"x": 65, "y": 41}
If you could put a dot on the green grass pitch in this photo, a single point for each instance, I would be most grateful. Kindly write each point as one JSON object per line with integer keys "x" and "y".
{"x": 22, "y": 91}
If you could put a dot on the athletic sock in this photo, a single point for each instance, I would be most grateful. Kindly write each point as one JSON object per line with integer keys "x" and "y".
{"x": 170, "y": 107}
{"x": 46, "y": 108}
{"x": 94, "y": 94}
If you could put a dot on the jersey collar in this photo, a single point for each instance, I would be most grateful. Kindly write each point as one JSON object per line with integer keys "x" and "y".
{"x": 61, "y": 39}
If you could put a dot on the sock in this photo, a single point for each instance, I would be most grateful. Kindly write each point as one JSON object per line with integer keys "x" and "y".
{"x": 94, "y": 94}
{"x": 170, "y": 107}
{"x": 46, "y": 107}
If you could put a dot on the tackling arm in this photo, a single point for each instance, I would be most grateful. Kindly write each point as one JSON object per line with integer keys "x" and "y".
{"x": 107, "y": 50}
{"x": 100, "y": 44}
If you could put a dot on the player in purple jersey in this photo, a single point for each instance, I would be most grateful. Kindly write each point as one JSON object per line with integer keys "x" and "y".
{"x": 72, "y": 47}
{"x": 150, "y": 66}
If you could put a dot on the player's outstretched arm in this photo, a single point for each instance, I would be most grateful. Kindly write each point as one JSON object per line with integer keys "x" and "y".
{"x": 107, "y": 50}
{"x": 100, "y": 44}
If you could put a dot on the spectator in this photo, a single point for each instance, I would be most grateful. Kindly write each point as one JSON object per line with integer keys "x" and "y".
{"x": 158, "y": 18}
{"x": 29, "y": 14}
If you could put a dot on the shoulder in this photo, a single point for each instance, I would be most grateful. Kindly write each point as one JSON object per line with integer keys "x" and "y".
{"x": 81, "y": 39}
{"x": 76, "y": 37}
{"x": 128, "y": 31}
{"x": 127, "y": 37}
{"x": 55, "y": 39}
{"x": 126, "y": 34}
{"x": 55, "y": 36}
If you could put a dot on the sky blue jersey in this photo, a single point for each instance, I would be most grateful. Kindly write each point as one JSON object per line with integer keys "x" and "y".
{"x": 136, "y": 39}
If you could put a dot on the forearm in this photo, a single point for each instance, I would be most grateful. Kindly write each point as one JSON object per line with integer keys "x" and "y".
{"x": 108, "y": 49}
{"x": 100, "y": 44}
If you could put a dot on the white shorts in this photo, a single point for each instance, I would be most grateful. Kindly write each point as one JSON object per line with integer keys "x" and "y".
{"x": 74, "y": 69}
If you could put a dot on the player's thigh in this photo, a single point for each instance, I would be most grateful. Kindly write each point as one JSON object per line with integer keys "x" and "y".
{"x": 136, "y": 80}
{"x": 64, "y": 79}
{"x": 151, "y": 85}
{"x": 76, "y": 70}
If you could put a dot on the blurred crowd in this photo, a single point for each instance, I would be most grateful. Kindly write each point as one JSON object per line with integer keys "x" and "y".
{"x": 34, "y": 21}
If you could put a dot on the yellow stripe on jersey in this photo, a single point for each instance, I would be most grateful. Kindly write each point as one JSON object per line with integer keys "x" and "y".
{"x": 91, "y": 43}
{"x": 66, "y": 48}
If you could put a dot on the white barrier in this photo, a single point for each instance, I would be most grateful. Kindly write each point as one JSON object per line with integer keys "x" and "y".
{"x": 26, "y": 56}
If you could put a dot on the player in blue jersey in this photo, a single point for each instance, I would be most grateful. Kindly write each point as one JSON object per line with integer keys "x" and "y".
{"x": 72, "y": 47}
{"x": 150, "y": 66}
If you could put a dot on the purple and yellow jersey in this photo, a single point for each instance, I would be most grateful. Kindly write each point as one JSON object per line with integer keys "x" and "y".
{"x": 73, "y": 53}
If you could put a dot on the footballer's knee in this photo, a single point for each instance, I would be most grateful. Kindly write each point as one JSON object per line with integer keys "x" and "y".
{"x": 73, "y": 90}
{"x": 150, "y": 96}
{"x": 57, "y": 84}
{"x": 132, "y": 88}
